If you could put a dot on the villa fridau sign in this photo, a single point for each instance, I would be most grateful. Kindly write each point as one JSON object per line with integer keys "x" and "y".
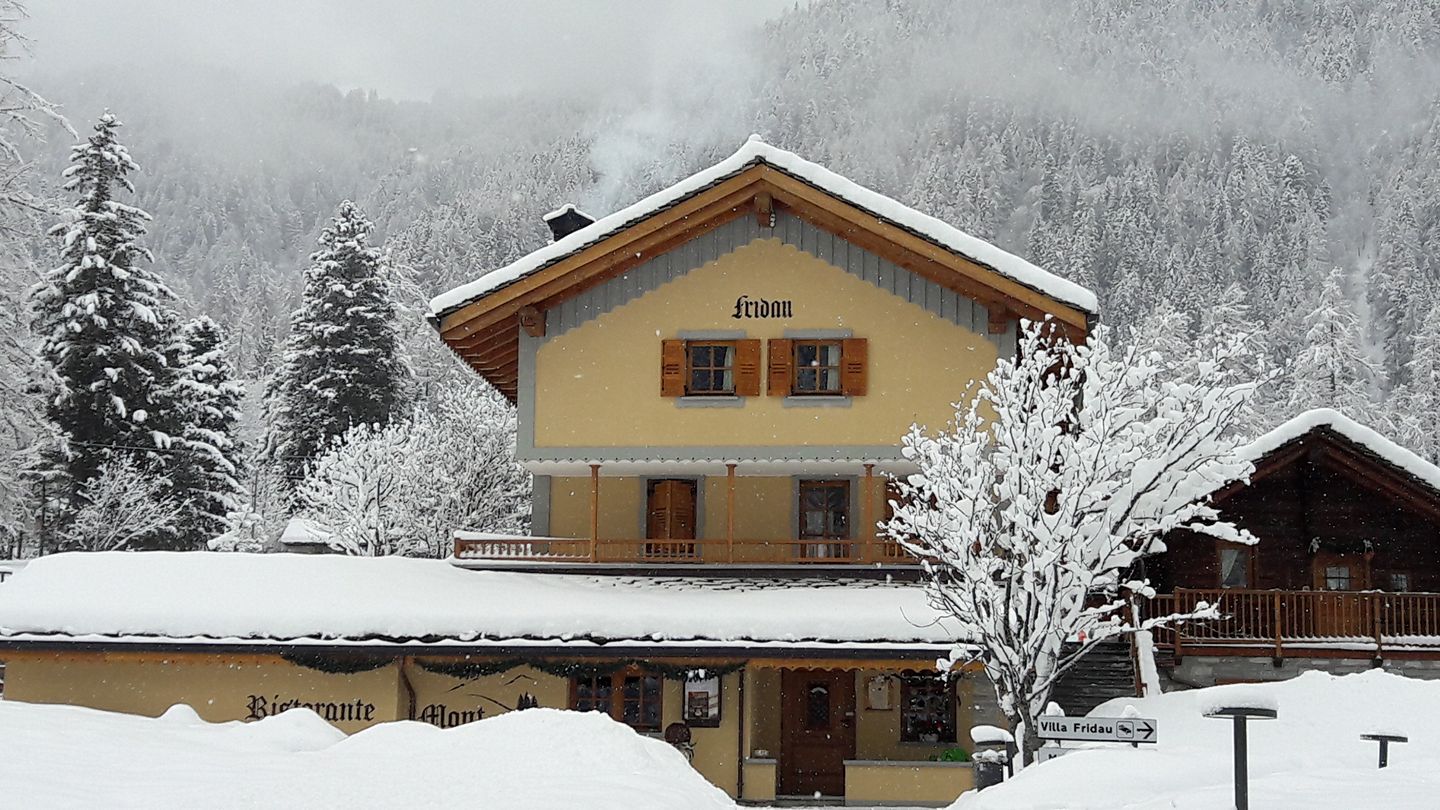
{"x": 1099, "y": 729}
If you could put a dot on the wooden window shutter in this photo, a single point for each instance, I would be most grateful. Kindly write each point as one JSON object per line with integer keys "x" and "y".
{"x": 747, "y": 368}
{"x": 854, "y": 367}
{"x": 781, "y": 367}
{"x": 672, "y": 368}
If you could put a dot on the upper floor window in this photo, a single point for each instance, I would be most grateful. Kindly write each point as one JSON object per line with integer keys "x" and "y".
{"x": 824, "y": 366}
{"x": 824, "y": 519}
{"x": 709, "y": 368}
{"x": 817, "y": 367}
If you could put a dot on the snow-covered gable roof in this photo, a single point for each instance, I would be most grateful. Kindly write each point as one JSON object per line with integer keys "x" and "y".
{"x": 755, "y": 151}
{"x": 150, "y": 597}
{"x": 1366, "y": 439}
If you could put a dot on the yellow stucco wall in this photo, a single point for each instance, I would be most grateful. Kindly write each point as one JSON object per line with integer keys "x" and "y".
{"x": 598, "y": 385}
{"x": 877, "y": 731}
{"x": 218, "y": 687}
{"x": 225, "y": 687}
{"x": 765, "y": 508}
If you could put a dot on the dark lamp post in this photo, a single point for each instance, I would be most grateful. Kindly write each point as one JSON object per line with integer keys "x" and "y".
{"x": 1239, "y": 715}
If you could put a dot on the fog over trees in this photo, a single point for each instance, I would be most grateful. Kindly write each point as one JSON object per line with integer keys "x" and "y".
{"x": 1270, "y": 162}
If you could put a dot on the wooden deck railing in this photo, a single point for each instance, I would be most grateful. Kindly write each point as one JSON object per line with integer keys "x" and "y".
{"x": 762, "y": 552}
{"x": 1277, "y": 619}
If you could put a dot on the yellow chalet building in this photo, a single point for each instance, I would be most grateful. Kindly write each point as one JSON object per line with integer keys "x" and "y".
{"x": 712, "y": 385}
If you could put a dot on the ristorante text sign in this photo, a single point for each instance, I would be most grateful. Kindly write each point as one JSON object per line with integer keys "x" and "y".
{"x": 1099, "y": 729}
{"x": 335, "y": 711}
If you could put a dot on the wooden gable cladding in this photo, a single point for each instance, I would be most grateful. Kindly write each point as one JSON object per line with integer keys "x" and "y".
{"x": 1327, "y": 449}
{"x": 485, "y": 331}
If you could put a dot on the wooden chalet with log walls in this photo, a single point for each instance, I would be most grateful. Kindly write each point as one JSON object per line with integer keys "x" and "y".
{"x": 1346, "y": 573}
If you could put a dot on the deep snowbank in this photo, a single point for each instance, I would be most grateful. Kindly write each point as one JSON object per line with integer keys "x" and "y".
{"x": 1311, "y": 757}
{"x": 63, "y": 757}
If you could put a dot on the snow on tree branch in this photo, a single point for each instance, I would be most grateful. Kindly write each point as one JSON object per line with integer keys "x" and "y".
{"x": 1062, "y": 468}
{"x": 121, "y": 505}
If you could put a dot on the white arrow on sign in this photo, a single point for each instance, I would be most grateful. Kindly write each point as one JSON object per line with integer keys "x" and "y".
{"x": 1099, "y": 729}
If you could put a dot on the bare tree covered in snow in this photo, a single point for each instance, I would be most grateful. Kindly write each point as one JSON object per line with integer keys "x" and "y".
{"x": 405, "y": 488}
{"x": 122, "y": 505}
{"x": 1068, "y": 464}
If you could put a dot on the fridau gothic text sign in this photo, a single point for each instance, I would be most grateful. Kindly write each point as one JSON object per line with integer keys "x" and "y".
{"x": 747, "y": 307}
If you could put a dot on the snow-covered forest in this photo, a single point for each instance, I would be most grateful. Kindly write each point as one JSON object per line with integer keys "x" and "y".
{"x": 1272, "y": 163}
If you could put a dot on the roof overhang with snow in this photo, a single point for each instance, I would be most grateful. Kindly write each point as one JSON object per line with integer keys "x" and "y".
{"x": 481, "y": 320}
{"x": 1329, "y": 437}
{"x": 207, "y": 600}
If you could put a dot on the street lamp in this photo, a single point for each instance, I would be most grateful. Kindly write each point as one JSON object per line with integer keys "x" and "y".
{"x": 1239, "y": 715}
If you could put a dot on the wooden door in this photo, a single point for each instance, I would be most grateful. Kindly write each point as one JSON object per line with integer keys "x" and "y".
{"x": 670, "y": 515}
{"x": 817, "y": 731}
{"x": 1339, "y": 611}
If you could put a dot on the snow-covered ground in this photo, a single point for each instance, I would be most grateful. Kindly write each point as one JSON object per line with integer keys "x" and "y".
{"x": 64, "y": 757}
{"x": 1311, "y": 757}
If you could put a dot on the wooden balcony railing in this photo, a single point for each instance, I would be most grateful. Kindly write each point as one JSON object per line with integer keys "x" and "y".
{"x": 1368, "y": 620}
{"x": 747, "y": 552}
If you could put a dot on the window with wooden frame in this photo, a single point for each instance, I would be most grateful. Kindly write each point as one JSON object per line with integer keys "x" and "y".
{"x": 818, "y": 367}
{"x": 927, "y": 709}
{"x": 631, "y": 697}
{"x": 824, "y": 518}
{"x": 1397, "y": 581}
{"x": 1237, "y": 565}
{"x": 709, "y": 368}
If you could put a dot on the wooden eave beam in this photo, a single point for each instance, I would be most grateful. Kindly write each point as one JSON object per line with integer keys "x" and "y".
{"x": 727, "y": 194}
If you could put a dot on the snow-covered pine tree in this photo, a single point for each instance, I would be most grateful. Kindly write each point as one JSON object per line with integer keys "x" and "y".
{"x": 1414, "y": 408}
{"x": 105, "y": 322}
{"x": 344, "y": 364}
{"x": 209, "y": 402}
{"x": 1332, "y": 369}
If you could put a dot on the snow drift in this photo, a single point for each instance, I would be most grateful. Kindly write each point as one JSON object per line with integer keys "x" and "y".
{"x": 1310, "y": 757}
{"x": 535, "y": 759}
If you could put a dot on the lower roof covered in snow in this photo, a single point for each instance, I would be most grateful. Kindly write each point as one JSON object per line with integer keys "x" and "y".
{"x": 261, "y": 599}
{"x": 1360, "y": 437}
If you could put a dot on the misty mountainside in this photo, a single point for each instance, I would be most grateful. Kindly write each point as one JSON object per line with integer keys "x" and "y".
{"x": 1183, "y": 158}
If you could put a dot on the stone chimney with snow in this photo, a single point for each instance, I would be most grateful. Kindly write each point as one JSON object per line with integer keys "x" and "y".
{"x": 566, "y": 220}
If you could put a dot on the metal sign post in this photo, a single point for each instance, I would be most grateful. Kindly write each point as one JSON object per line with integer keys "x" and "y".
{"x": 1239, "y": 714}
{"x": 1385, "y": 740}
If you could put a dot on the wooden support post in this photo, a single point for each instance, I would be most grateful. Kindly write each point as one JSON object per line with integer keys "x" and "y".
{"x": 1279, "y": 630}
{"x": 594, "y": 510}
{"x": 1376, "y": 605}
{"x": 867, "y": 514}
{"x": 1178, "y": 627}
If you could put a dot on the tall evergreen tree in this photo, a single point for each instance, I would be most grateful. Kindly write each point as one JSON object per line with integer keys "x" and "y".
{"x": 105, "y": 322}
{"x": 343, "y": 363}
{"x": 1332, "y": 369}
{"x": 209, "y": 399}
